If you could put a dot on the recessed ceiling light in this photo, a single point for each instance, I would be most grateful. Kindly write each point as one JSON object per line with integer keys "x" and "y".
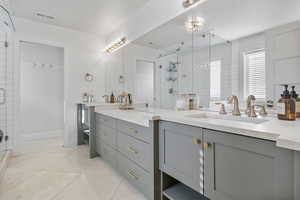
{"x": 44, "y": 16}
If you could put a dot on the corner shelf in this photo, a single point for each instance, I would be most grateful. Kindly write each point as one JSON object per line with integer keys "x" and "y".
{"x": 182, "y": 192}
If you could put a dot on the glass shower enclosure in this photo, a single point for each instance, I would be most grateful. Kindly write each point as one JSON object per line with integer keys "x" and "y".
{"x": 6, "y": 81}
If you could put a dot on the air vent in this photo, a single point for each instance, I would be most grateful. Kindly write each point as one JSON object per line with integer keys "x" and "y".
{"x": 41, "y": 15}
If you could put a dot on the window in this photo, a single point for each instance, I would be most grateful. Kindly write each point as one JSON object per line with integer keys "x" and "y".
{"x": 215, "y": 79}
{"x": 255, "y": 72}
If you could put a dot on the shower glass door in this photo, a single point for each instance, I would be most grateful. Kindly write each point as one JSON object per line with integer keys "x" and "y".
{"x": 3, "y": 93}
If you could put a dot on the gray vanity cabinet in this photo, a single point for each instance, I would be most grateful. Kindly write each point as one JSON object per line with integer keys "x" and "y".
{"x": 237, "y": 167}
{"x": 181, "y": 154}
{"x": 225, "y": 166}
{"x": 132, "y": 150}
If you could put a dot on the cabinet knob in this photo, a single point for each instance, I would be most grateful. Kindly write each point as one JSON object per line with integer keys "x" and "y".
{"x": 197, "y": 141}
{"x": 135, "y": 131}
{"x": 132, "y": 175}
{"x": 132, "y": 150}
{"x": 206, "y": 145}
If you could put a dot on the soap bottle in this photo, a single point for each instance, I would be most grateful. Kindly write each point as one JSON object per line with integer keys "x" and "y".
{"x": 112, "y": 98}
{"x": 286, "y": 106}
{"x": 295, "y": 96}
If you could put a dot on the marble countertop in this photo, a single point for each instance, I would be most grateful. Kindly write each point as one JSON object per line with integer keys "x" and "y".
{"x": 286, "y": 134}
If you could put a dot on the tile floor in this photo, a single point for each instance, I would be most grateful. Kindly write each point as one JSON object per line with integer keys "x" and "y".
{"x": 44, "y": 170}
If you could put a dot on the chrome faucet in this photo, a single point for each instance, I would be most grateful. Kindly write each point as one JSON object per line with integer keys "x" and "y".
{"x": 250, "y": 100}
{"x": 235, "y": 101}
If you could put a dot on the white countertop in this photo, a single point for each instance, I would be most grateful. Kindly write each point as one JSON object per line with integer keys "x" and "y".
{"x": 286, "y": 134}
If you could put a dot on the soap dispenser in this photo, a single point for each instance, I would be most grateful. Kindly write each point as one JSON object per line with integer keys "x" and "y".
{"x": 286, "y": 106}
{"x": 295, "y": 96}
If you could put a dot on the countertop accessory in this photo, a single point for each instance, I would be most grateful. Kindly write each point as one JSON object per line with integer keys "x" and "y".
{"x": 85, "y": 97}
{"x": 125, "y": 101}
{"x": 106, "y": 98}
{"x": 235, "y": 101}
{"x": 295, "y": 96}
{"x": 286, "y": 106}
{"x": 112, "y": 98}
{"x": 222, "y": 109}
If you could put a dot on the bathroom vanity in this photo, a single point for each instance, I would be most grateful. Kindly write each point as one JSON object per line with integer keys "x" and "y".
{"x": 225, "y": 166}
{"x": 131, "y": 149}
{"x": 170, "y": 155}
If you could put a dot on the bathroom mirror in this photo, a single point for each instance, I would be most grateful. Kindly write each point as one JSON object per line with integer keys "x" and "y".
{"x": 217, "y": 49}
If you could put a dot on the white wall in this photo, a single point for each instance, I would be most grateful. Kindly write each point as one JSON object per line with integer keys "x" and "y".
{"x": 283, "y": 53}
{"x": 42, "y": 91}
{"x": 82, "y": 54}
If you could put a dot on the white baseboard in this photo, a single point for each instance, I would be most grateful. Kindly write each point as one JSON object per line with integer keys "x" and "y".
{"x": 41, "y": 135}
{"x": 4, "y": 164}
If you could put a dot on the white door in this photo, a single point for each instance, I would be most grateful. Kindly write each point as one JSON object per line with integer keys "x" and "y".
{"x": 144, "y": 82}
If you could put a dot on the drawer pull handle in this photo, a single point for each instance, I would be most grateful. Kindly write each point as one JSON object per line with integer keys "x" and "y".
{"x": 132, "y": 175}
{"x": 197, "y": 141}
{"x": 206, "y": 145}
{"x": 132, "y": 150}
{"x": 135, "y": 131}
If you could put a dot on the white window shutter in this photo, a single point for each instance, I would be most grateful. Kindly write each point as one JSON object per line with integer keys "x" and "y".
{"x": 215, "y": 79}
{"x": 255, "y": 76}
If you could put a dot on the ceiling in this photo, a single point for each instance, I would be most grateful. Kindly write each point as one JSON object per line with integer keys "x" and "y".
{"x": 229, "y": 19}
{"x": 100, "y": 17}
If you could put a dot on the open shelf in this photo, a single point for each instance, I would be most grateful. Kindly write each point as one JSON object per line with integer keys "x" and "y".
{"x": 182, "y": 192}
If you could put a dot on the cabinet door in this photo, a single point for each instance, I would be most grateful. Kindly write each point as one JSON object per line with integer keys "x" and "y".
{"x": 181, "y": 154}
{"x": 238, "y": 167}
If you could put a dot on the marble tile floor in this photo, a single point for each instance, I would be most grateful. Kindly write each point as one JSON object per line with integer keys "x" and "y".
{"x": 44, "y": 170}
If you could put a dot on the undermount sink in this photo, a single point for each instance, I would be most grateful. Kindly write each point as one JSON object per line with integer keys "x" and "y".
{"x": 228, "y": 117}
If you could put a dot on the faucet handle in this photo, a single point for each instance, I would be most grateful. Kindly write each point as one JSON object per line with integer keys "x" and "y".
{"x": 222, "y": 109}
{"x": 252, "y": 112}
{"x": 263, "y": 111}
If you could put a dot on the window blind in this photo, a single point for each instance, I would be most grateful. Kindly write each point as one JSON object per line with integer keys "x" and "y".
{"x": 215, "y": 79}
{"x": 255, "y": 81}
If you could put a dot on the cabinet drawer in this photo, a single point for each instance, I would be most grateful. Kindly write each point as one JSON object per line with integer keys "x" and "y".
{"x": 136, "y": 150}
{"x": 139, "y": 132}
{"x": 107, "y": 121}
{"x": 108, "y": 135}
{"x": 134, "y": 174}
{"x": 107, "y": 153}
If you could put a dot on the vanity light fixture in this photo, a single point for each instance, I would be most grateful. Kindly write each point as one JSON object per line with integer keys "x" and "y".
{"x": 194, "y": 24}
{"x": 115, "y": 45}
{"x": 189, "y": 3}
